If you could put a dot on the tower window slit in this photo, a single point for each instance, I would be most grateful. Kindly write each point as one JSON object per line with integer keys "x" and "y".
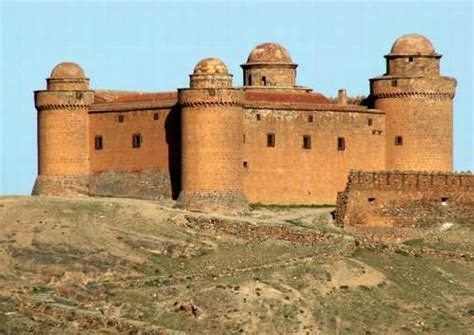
{"x": 306, "y": 142}
{"x": 121, "y": 118}
{"x": 341, "y": 143}
{"x": 264, "y": 81}
{"x": 137, "y": 140}
{"x": 98, "y": 142}
{"x": 398, "y": 140}
{"x": 270, "y": 140}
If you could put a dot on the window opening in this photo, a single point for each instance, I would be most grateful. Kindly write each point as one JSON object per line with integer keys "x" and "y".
{"x": 306, "y": 142}
{"x": 341, "y": 143}
{"x": 136, "y": 140}
{"x": 98, "y": 143}
{"x": 398, "y": 140}
{"x": 270, "y": 140}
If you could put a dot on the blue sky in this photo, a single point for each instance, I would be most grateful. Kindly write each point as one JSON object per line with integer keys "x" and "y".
{"x": 153, "y": 46}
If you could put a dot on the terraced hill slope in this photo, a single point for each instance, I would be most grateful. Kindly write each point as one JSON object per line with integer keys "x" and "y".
{"x": 83, "y": 265}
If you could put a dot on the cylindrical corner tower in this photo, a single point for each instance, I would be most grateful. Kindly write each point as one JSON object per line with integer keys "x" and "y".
{"x": 419, "y": 107}
{"x": 63, "y": 132}
{"x": 212, "y": 130}
{"x": 269, "y": 65}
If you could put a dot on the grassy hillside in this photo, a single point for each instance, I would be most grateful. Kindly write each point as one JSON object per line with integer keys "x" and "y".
{"x": 82, "y": 265}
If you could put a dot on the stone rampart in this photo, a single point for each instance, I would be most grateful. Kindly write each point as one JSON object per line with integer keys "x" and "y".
{"x": 405, "y": 199}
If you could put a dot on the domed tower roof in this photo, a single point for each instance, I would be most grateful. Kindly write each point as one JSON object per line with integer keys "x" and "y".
{"x": 67, "y": 70}
{"x": 210, "y": 66}
{"x": 269, "y": 53}
{"x": 67, "y": 76}
{"x": 412, "y": 44}
{"x": 211, "y": 73}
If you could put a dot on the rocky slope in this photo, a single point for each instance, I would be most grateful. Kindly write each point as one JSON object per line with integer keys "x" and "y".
{"x": 83, "y": 265}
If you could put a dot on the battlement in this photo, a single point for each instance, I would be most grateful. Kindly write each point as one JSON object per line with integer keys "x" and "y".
{"x": 401, "y": 198}
{"x": 410, "y": 180}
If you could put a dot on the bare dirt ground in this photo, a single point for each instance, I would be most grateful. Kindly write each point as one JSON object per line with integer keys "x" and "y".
{"x": 108, "y": 266}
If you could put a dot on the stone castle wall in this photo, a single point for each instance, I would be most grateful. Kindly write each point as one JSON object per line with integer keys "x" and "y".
{"x": 288, "y": 173}
{"x": 401, "y": 199}
{"x": 118, "y": 153}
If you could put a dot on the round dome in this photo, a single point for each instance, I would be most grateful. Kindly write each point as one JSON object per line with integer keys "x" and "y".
{"x": 67, "y": 70}
{"x": 412, "y": 44}
{"x": 210, "y": 66}
{"x": 269, "y": 53}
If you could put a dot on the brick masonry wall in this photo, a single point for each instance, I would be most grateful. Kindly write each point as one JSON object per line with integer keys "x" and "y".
{"x": 401, "y": 66}
{"x": 63, "y": 126}
{"x": 290, "y": 174}
{"x": 211, "y": 121}
{"x": 117, "y": 153}
{"x": 419, "y": 110}
{"x": 274, "y": 76}
{"x": 406, "y": 199}
{"x": 160, "y": 150}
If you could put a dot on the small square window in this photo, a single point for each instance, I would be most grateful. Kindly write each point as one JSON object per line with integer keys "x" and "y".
{"x": 410, "y": 59}
{"x": 121, "y": 118}
{"x": 306, "y": 142}
{"x": 136, "y": 140}
{"x": 444, "y": 201}
{"x": 156, "y": 116}
{"x": 246, "y": 164}
{"x": 398, "y": 140}
{"x": 270, "y": 140}
{"x": 310, "y": 118}
{"x": 98, "y": 143}
{"x": 369, "y": 122}
{"x": 259, "y": 117}
{"x": 341, "y": 143}
{"x": 371, "y": 200}
{"x": 394, "y": 83}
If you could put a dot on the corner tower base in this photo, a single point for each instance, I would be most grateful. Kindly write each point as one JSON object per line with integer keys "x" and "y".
{"x": 61, "y": 185}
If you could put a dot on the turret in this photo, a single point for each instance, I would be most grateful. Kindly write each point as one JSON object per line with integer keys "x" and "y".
{"x": 212, "y": 132}
{"x": 419, "y": 107}
{"x": 63, "y": 129}
{"x": 269, "y": 65}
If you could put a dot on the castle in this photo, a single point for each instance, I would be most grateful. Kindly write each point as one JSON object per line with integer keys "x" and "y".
{"x": 216, "y": 147}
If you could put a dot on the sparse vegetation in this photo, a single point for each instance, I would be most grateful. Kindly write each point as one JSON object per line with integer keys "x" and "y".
{"x": 133, "y": 266}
